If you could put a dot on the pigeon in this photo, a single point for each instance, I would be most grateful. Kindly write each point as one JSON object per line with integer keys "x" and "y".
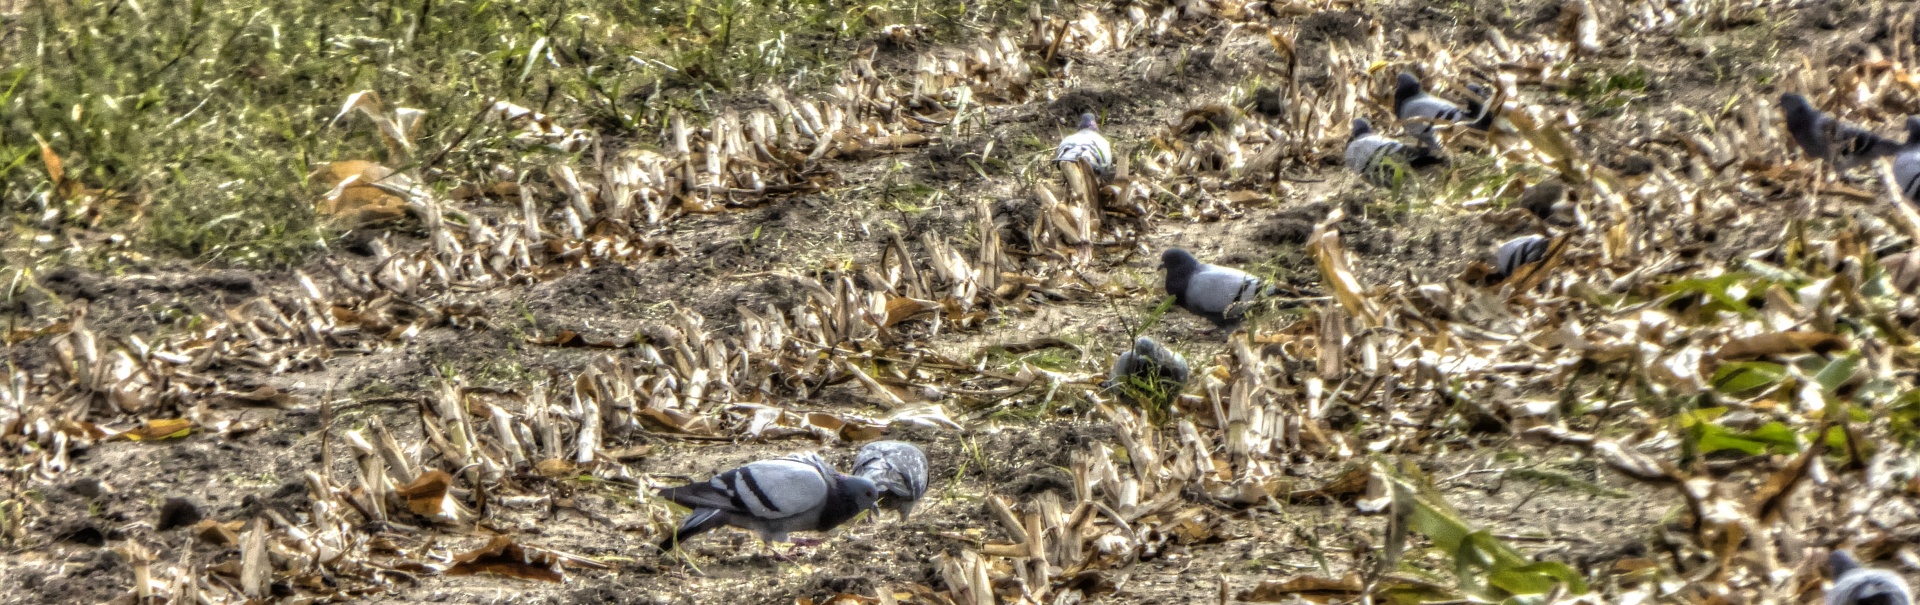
{"x": 898, "y": 469}
{"x": 1086, "y": 145}
{"x": 1380, "y": 159}
{"x": 1516, "y": 253}
{"x": 772, "y": 498}
{"x": 1856, "y": 585}
{"x": 1421, "y": 111}
{"x": 1149, "y": 360}
{"x": 1822, "y": 136}
{"x": 1906, "y": 171}
{"x": 1209, "y": 291}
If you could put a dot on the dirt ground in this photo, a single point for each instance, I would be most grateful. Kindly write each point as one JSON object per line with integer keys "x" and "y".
{"x": 1015, "y": 440}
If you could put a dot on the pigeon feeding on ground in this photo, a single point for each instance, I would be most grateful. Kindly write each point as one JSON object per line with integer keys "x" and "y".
{"x": 1149, "y": 360}
{"x": 1856, "y": 585}
{"x": 1823, "y": 136}
{"x": 1421, "y": 111}
{"x": 1381, "y": 160}
{"x": 1209, "y": 291}
{"x": 772, "y": 498}
{"x": 1516, "y": 253}
{"x": 1087, "y": 146}
{"x": 898, "y": 469}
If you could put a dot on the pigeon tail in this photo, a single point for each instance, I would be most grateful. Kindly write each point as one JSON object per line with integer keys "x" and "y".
{"x": 701, "y": 521}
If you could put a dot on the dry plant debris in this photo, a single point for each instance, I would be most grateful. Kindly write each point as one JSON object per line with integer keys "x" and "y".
{"x": 1713, "y": 338}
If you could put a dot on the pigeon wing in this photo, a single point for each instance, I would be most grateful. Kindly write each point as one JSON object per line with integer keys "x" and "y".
{"x": 769, "y": 489}
{"x": 1213, "y": 289}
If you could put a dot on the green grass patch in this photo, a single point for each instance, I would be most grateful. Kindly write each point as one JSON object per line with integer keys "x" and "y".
{"x": 199, "y": 121}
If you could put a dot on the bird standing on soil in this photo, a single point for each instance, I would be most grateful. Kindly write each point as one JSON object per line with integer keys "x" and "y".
{"x": 1421, "y": 111}
{"x": 772, "y": 498}
{"x": 1825, "y": 137}
{"x": 1088, "y": 147}
{"x": 1383, "y": 161}
{"x": 1209, "y": 291}
{"x": 898, "y": 469}
{"x": 1149, "y": 360}
{"x": 1856, "y": 585}
{"x": 1516, "y": 253}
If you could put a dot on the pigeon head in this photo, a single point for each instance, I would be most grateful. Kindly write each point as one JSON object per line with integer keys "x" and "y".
{"x": 1360, "y": 128}
{"x": 1481, "y": 91}
{"x": 1143, "y": 345}
{"x": 865, "y": 494}
{"x": 1799, "y": 112}
{"x": 1087, "y": 122}
{"x": 1913, "y": 130}
{"x": 1405, "y": 88}
{"x": 1175, "y": 260}
{"x": 1840, "y": 562}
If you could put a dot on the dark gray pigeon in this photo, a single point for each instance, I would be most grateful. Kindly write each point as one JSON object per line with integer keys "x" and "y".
{"x": 1149, "y": 361}
{"x": 1086, "y": 145}
{"x": 1421, "y": 111}
{"x": 1381, "y": 160}
{"x": 898, "y": 469}
{"x": 1906, "y": 172}
{"x": 772, "y": 498}
{"x": 1856, "y": 585}
{"x": 1822, "y": 136}
{"x": 1516, "y": 253}
{"x": 1209, "y": 291}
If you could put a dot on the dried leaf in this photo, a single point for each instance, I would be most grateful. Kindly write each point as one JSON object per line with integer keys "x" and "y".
{"x": 1780, "y": 343}
{"x": 164, "y": 428}
{"x": 502, "y": 556}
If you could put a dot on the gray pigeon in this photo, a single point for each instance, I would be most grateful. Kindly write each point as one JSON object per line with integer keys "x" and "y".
{"x": 1381, "y": 160}
{"x": 1420, "y": 111}
{"x": 1209, "y": 291}
{"x": 1516, "y": 253}
{"x": 1149, "y": 360}
{"x": 1856, "y": 585}
{"x": 898, "y": 469}
{"x": 1906, "y": 172}
{"x": 1822, "y": 136}
{"x": 1086, "y": 145}
{"x": 772, "y": 498}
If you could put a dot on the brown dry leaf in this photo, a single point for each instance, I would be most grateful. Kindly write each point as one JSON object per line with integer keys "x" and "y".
{"x": 504, "y": 557}
{"x": 351, "y": 194}
{"x": 217, "y": 533}
{"x": 163, "y": 428}
{"x": 901, "y": 308}
{"x": 20, "y": 335}
{"x": 427, "y": 495}
{"x": 1311, "y": 588}
{"x": 56, "y": 170}
{"x": 1780, "y": 343}
{"x": 553, "y": 468}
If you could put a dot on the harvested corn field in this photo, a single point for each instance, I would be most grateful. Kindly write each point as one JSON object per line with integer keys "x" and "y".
{"x": 426, "y": 302}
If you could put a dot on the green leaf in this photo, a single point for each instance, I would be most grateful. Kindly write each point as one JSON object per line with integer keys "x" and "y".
{"x": 1742, "y": 376}
{"x": 1837, "y": 372}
